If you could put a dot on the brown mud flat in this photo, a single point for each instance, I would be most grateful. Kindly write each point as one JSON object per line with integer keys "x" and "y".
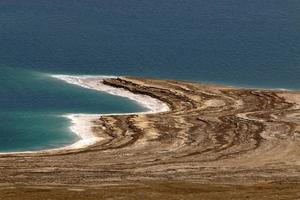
{"x": 216, "y": 142}
{"x": 154, "y": 191}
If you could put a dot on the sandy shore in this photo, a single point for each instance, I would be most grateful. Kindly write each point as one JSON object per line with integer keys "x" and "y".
{"x": 214, "y": 142}
{"x": 96, "y": 83}
{"x": 83, "y": 124}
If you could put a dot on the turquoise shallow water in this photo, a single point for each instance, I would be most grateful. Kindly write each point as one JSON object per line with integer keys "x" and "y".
{"x": 33, "y": 104}
{"x": 253, "y": 43}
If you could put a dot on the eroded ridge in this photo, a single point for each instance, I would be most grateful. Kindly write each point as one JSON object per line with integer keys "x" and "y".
{"x": 211, "y": 134}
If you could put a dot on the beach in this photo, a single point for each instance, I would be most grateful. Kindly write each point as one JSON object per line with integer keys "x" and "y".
{"x": 82, "y": 124}
{"x": 197, "y": 140}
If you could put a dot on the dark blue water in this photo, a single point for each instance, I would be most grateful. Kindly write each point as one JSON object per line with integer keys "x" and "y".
{"x": 249, "y": 43}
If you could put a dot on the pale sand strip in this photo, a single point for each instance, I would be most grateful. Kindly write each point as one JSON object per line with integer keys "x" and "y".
{"x": 95, "y": 83}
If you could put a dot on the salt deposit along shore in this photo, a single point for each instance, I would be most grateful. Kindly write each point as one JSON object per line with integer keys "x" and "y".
{"x": 82, "y": 124}
{"x": 214, "y": 142}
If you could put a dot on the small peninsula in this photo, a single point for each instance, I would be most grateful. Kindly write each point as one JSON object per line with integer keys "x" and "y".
{"x": 200, "y": 141}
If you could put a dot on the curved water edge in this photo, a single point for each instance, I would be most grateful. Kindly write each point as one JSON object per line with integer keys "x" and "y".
{"x": 82, "y": 124}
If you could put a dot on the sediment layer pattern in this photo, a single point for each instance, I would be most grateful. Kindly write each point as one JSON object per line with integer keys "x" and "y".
{"x": 211, "y": 135}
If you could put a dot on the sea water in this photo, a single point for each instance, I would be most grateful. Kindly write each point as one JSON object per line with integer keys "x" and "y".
{"x": 253, "y": 43}
{"x": 33, "y": 106}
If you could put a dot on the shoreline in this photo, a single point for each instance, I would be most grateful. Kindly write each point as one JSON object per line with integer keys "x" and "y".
{"x": 211, "y": 135}
{"x": 82, "y": 123}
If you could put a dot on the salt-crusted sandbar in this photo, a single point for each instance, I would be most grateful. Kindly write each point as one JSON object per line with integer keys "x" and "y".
{"x": 96, "y": 83}
{"x": 82, "y": 124}
{"x": 209, "y": 142}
